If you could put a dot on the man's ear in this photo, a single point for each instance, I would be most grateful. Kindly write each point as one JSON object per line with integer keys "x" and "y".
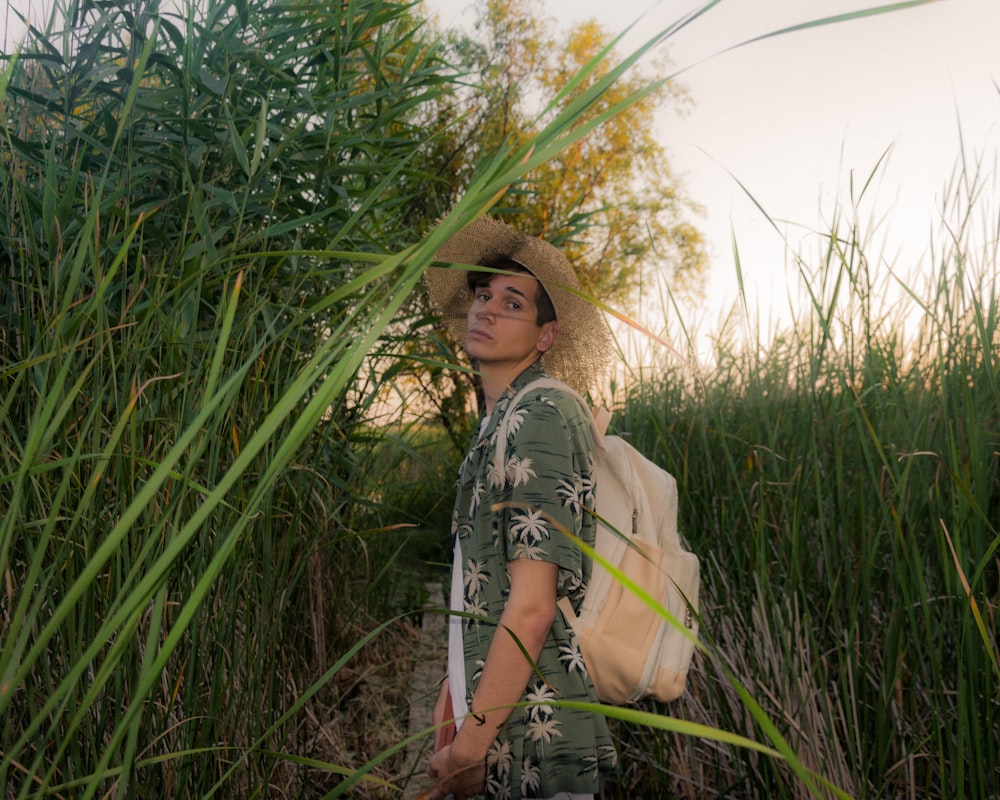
{"x": 547, "y": 337}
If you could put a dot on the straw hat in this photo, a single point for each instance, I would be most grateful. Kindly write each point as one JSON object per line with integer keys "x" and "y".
{"x": 583, "y": 347}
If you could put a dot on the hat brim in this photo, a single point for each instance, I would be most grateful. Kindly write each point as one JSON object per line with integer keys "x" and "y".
{"x": 582, "y": 349}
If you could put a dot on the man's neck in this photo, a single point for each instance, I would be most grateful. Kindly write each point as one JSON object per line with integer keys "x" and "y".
{"x": 494, "y": 384}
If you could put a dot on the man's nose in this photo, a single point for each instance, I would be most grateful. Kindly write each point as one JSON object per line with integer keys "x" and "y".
{"x": 487, "y": 309}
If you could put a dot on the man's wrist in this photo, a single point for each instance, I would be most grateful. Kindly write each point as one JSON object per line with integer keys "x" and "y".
{"x": 472, "y": 742}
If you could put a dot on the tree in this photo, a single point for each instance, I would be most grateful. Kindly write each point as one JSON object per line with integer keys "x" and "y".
{"x": 611, "y": 200}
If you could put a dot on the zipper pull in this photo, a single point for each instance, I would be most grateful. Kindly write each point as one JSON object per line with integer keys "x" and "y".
{"x": 635, "y": 521}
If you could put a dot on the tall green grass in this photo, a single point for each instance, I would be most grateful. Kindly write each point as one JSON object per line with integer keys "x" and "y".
{"x": 193, "y": 208}
{"x": 201, "y": 246}
{"x": 842, "y": 482}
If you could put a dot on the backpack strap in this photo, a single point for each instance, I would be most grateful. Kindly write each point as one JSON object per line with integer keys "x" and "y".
{"x": 602, "y": 418}
{"x": 598, "y": 418}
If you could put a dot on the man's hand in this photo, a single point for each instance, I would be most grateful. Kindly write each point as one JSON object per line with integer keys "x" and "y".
{"x": 455, "y": 777}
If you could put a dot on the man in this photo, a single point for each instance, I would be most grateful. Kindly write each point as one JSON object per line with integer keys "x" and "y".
{"x": 511, "y": 562}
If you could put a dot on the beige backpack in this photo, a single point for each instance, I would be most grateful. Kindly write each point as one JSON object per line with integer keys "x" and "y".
{"x": 630, "y": 650}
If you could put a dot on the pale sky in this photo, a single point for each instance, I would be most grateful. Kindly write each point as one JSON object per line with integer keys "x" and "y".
{"x": 794, "y": 118}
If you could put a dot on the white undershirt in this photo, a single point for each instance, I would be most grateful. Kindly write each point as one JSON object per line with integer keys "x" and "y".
{"x": 456, "y": 647}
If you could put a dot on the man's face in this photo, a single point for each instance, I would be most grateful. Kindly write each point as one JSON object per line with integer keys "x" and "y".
{"x": 503, "y": 323}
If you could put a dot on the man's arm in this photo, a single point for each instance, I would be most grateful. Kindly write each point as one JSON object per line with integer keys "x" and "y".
{"x": 528, "y": 614}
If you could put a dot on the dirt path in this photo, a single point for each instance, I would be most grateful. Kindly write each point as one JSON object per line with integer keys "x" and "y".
{"x": 429, "y": 663}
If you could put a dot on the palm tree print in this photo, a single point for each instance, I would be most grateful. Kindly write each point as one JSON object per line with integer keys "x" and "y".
{"x": 529, "y": 528}
{"x": 511, "y": 508}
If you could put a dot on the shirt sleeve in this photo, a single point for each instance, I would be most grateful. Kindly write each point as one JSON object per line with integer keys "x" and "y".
{"x": 547, "y": 484}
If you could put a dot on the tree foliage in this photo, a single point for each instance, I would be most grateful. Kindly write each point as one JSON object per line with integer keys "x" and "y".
{"x": 611, "y": 201}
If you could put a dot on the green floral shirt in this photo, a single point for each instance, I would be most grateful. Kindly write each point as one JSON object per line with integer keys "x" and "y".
{"x": 543, "y": 749}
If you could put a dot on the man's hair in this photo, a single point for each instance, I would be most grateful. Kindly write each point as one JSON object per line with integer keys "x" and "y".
{"x": 476, "y": 280}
